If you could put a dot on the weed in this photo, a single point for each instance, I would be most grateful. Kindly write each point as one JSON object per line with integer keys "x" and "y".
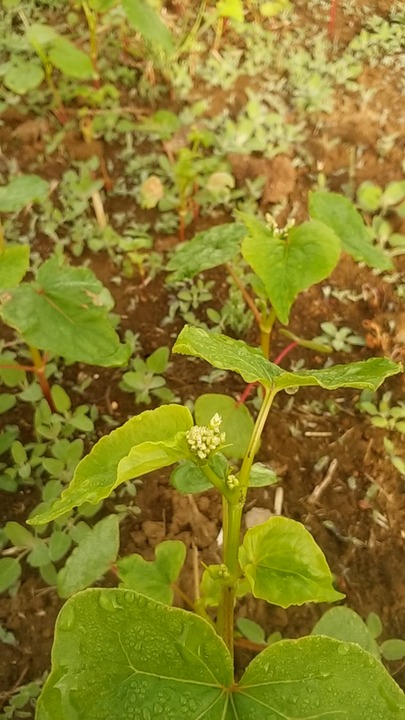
{"x": 341, "y": 339}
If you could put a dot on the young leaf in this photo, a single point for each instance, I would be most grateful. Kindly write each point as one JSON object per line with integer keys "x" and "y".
{"x": 188, "y": 478}
{"x": 284, "y": 565}
{"x": 286, "y": 266}
{"x": 22, "y": 191}
{"x": 342, "y": 623}
{"x": 14, "y": 263}
{"x": 70, "y": 60}
{"x": 97, "y": 474}
{"x": 154, "y": 579}
{"x": 319, "y": 678}
{"x": 65, "y": 312}
{"x": 19, "y": 535}
{"x": 206, "y": 250}
{"x": 251, "y": 630}
{"x": 228, "y": 354}
{"x": 339, "y": 214}
{"x": 393, "y": 649}
{"x": 91, "y": 558}
{"x": 262, "y": 476}
{"x": 10, "y": 571}
{"x": 23, "y": 76}
{"x": 118, "y": 654}
{"x": 237, "y": 422}
{"x": 145, "y": 20}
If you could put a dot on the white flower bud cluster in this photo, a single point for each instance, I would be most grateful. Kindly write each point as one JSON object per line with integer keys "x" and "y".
{"x": 280, "y": 232}
{"x": 205, "y": 440}
{"x": 232, "y": 482}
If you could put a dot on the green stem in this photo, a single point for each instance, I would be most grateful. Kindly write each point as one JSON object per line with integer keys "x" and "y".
{"x": 266, "y": 326}
{"x": 232, "y": 521}
{"x": 92, "y": 25}
{"x": 216, "y": 482}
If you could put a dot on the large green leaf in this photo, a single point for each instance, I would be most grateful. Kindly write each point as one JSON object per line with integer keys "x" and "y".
{"x": 237, "y": 422}
{"x": 206, "y": 250}
{"x": 284, "y": 565}
{"x": 145, "y": 20}
{"x": 288, "y": 266}
{"x": 154, "y": 579}
{"x": 22, "y": 191}
{"x": 339, "y": 214}
{"x": 65, "y": 312}
{"x": 119, "y": 655}
{"x": 228, "y": 354}
{"x": 70, "y": 60}
{"x": 317, "y": 678}
{"x": 91, "y": 558}
{"x": 14, "y": 263}
{"x": 98, "y": 473}
{"x": 342, "y": 623}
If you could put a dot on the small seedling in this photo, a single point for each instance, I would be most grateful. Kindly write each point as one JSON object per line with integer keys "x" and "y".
{"x": 382, "y": 414}
{"x": 146, "y": 380}
{"x": 341, "y": 339}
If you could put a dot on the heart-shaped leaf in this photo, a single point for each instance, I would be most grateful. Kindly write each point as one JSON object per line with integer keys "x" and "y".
{"x": 65, "y": 311}
{"x": 118, "y": 654}
{"x": 284, "y": 565}
{"x": 286, "y": 266}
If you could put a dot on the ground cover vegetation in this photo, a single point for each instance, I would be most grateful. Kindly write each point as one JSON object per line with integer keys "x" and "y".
{"x": 202, "y": 213}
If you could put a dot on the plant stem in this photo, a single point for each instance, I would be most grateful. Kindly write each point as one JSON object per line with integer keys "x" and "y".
{"x": 91, "y": 18}
{"x": 285, "y": 352}
{"x": 332, "y": 19}
{"x": 248, "y": 300}
{"x": 232, "y": 521}
{"x": 266, "y": 326}
{"x": 39, "y": 365}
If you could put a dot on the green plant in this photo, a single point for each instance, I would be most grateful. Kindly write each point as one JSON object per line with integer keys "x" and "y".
{"x": 285, "y": 261}
{"x": 380, "y": 202}
{"x": 20, "y": 702}
{"x": 145, "y": 378}
{"x": 343, "y": 623}
{"x": 341, "y": 339}
{"x": 382, "y": 414}
{"x": 190, "y": 295}
{"x": 139, "y": 655}
{"x": 391, "y": 452}
{"x": 64, "y": 311}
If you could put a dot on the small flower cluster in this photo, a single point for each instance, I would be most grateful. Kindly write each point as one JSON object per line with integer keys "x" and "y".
{"x": 205, "y": 440}
{"x": 280, "y": 232}
{"x": 232, "y": 482}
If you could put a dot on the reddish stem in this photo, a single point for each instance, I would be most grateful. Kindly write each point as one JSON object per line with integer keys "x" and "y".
{"x": 285, "y": 352}
{"x": 332, "y": 19}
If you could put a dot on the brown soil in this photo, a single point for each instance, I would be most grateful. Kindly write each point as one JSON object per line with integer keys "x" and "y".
{"x": 363, "y": 539}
